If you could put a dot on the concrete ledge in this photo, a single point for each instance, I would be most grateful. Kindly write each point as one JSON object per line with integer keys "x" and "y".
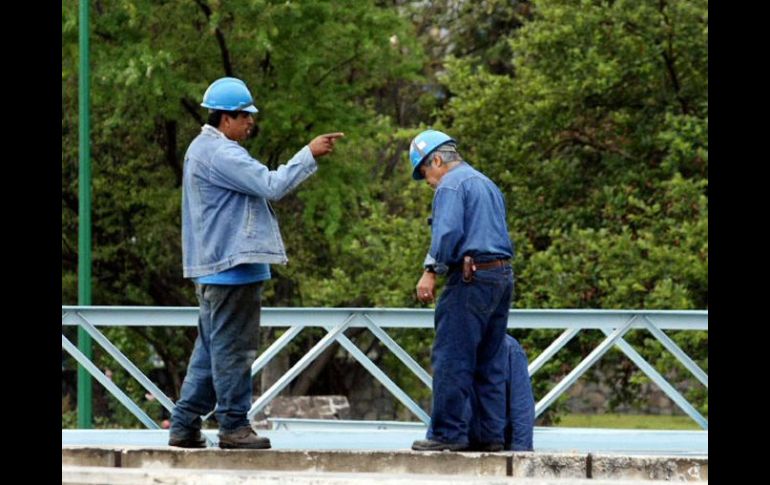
{"x": 550, "y": 465}
{"x": 475, "y": 464}
{"x": 72, "y": 475}
{"x": 90, "y": 456}
{"x": 503, "y": 464}
{"x": 676, "y": 469}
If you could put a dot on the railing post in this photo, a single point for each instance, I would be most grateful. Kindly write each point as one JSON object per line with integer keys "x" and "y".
{"x": 85, "y": 391}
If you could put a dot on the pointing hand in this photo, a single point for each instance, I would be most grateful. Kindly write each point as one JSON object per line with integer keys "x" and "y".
{"x": 324, "y": 144}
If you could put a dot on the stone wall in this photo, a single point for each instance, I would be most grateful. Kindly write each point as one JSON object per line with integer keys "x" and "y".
{"x": 309, "y": 407}
{"x": 374, "y": 402}
{"x": 591, "y": 397}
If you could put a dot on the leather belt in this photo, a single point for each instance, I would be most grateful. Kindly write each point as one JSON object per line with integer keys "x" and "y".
{"x": 486, "y": 265}
{"x": 492, "y": 264}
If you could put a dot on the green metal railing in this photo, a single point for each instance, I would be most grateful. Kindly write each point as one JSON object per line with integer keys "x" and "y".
{"x": 613, "y": 323}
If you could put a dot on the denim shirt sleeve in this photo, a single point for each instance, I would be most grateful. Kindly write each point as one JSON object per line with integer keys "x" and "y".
{"x": 447, "y": 227}
{"x": 233, "y": 168}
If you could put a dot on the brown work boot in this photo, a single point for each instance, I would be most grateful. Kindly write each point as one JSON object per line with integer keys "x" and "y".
{"x": 243, "y": 437}
{"x": 191, "y": 440}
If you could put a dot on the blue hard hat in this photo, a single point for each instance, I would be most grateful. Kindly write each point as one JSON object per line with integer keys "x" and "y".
{"x": 423, "y": 145}
{"x": 228, "y": 94}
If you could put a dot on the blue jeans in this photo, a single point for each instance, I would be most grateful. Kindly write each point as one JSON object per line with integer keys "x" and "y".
{"x": 468, "y": 356}
{"x": 219, "y": 373}
{"x": 520, "y": 404}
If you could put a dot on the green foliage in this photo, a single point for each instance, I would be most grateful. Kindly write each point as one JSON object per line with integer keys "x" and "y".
{"x": 312, "y": 67}
{"x": 151, "y": 63}
{"x": 479, "y": 31}
{"x": 591, "y": 116}
{"x": 600, "y": 142}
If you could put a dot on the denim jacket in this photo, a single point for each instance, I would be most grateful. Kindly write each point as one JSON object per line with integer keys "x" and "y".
{"x": 468, "y": 219}
{"x": 226, "y": 217}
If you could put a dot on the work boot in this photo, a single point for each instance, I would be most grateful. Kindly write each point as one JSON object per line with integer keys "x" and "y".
{"x": 193, "y": 440}
{"x": 433, "y": 445}
{"x": 486, "y": 447}
{"x": 243, "y": 437}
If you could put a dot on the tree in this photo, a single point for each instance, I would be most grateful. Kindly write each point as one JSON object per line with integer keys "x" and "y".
{"x": 312, "y": 67}
{"x": 600, "y": 142}
{"x": 592, "y": 117}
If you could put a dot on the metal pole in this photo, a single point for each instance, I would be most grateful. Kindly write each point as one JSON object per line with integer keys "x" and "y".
{"x": 84, "y": 221}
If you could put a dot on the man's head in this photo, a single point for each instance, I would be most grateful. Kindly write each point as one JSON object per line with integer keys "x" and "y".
{"x": 432, "y": 154}
{"x": 438, "y": 163}
{"x": 230, "y": 107}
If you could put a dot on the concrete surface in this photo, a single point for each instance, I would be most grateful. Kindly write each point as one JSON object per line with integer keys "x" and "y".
{"x": 73, "y": 475}
{"x": 402, "y": 462}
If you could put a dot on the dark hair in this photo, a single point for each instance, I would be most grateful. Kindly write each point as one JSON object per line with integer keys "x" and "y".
{"x": 215, "y": 116}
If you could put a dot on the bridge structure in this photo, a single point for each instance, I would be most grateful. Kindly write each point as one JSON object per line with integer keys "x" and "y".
{"x": 391, "y": 436}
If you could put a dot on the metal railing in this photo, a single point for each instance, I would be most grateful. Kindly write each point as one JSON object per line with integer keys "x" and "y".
{"x": 613, "y": 323}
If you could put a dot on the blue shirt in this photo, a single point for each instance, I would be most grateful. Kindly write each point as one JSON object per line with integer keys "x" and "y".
{"x": 242, "y": 274}
{"x": 468, "y": 219}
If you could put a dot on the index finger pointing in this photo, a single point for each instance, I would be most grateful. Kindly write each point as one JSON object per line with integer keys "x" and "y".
{"x": 338, "y": 134}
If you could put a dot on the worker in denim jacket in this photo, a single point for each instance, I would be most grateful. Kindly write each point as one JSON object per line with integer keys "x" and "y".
{"x": 468, "y": 356}
{"x": 230, "y": 236}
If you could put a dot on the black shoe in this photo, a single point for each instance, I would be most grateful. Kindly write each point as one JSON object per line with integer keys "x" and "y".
{"x": 244, "y": 437}
{"x": 486, "y": 447}
{"x": 195, "y": 440}
{"x": 432, "y": 445}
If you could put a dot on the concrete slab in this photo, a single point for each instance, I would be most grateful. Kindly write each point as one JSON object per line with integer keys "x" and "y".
{"x": 550, "y": 465}
{"x": 467, "y": 464}
{"x": 475, "y": 464}
{"x": 90, "y": 456}
{"x": 676, "y": 469}
{"x": 72, "y": 475}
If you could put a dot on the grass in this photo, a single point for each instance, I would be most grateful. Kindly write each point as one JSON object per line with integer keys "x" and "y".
{"x": 627, "y": 421}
